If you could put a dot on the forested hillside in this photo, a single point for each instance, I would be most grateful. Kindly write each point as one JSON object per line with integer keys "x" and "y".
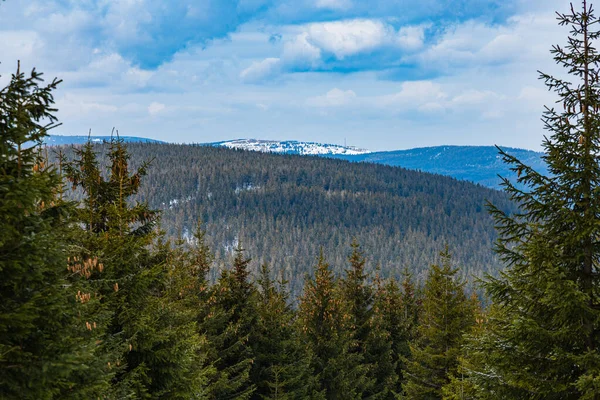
{"x": 479, "y": 164}
{"x": 97, "y": 301}
{"x": 283, "y": 208}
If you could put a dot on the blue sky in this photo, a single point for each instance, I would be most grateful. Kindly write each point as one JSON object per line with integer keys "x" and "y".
{"x": 379, "y": 74}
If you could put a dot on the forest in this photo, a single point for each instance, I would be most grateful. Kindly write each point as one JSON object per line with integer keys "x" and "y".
{"x": 99, "y": 300}
{"x": 284, "y": 208}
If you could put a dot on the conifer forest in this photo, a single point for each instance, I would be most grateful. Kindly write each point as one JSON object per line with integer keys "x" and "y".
{"x": 164, "y": 271}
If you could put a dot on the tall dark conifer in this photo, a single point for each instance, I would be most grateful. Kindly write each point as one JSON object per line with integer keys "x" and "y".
{"x": 447, "y": 315}
{"x": 47, "y": 330}
{"x": 150, "y": 336}
{"x": 397, "y": 307}
{"x": 325, "y": 321}
{"x": 229, "y": 328}
{"x": 369, "y": 337}
{"x": 380, "y": 346}
{"x": 543, "y": 337}
{"x": 281, "y": 368}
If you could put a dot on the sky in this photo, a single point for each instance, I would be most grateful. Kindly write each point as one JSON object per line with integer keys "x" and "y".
{"x": 376, "y": 74}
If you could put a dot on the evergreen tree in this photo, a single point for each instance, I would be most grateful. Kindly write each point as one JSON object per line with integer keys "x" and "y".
{"x": 447, "y": 316}
{"x": 369, "y": 338}
{"x": 542, "y": 339}
{"x": 47, "y": 335}
{"x": 229, "y": 327}
{"x": 178, "y": 369}
{"x": 398, "y": 310}
{"x": 380, "y": 347}
{"x": 149, "y": 336}
{"x": 462, "y": 386}
{"x": 281, "y": 368}
{"x": 324, "y": 322}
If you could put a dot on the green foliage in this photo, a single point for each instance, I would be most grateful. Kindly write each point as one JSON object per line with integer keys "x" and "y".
{"x": 447, "y": 314}
{"x": 542, "y": 339}
{"x": 281, "y": 368}
{"x": 395, "y": 317}
{"x": 370, "y": 339}
{"x": 324, "y": 321}
{"x": 150, "y": 338}
{"x": 46, "y": 350}
{"x": 229, "y": 327}
{"x": 283, "y": 208}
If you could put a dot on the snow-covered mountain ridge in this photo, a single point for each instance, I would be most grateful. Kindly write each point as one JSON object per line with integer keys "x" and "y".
{"x": 290, "y": 147}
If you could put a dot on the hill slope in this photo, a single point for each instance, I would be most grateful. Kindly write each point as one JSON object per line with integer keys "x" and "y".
{"x": 283, "y": 208}
{"x": 479, "y": 164}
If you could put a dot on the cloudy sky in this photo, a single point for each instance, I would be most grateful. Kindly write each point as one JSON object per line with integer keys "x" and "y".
{"x": 380, "y": 74}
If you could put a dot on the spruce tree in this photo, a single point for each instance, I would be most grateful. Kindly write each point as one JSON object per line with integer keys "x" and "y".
{"x": 380, "y": 347}
{"x": 542, "y": 340}
{"x": 447, "y": 315}
{"x": 397, "y": 307}
{"x": 324, "y": 321}
{"x": 47, "y": 330}
{"x": 149, "y": 336}
{"x": 178, "y": 368}
{"x": 281, "y": 368}
{"x": 369, "y": 338}
{"x": 229, "y": 328}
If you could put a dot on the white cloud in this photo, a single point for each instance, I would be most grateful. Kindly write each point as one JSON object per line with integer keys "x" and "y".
{"x": 525, "y": 38}
{"x": 19, "y": 45}
{"x": 415, "y": 93}
{"x": 72, "y": 106}
{"x": 474, "y": 97}
{"x": 155, "y": 108}
{"x": 534, "y": 98}
{"x": 411, "y": 37}
{"x": 305, "y": 46}
{"x": 261, "y": 70}
{"x": 427, "y": 97}
{"x": 334, "y": 98}
{"x": 345, "y": 38}
{"x": 299, "y": 52}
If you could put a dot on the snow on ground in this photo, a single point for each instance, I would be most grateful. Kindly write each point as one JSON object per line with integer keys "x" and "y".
{"x": 291, "y": 147}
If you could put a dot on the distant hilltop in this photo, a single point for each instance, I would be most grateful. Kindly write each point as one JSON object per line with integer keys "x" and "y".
{"x": 58, "y": 140}
{"x": 478, "y": 164}
{"x": 290, "y": 147}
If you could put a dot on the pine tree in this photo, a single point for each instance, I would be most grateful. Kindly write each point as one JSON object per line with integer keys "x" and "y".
{"x": 229, "y": 327}
{"x": 447, "y": 316}
{"x": 324, "y": 321}
{"x": 542, "y": 339}
{"x": 47, "y": 346}
{"x": 281, "y": 368}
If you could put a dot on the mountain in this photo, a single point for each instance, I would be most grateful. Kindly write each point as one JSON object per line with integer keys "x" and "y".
{"x": 283, "y": 208}
{"x": 289, "y": 147}
{"x": 479, "y": 164}
{"x": 55, "y": 140}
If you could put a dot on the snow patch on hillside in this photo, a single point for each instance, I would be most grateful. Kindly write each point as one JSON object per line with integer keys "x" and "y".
{"x": 290, "y": 147}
